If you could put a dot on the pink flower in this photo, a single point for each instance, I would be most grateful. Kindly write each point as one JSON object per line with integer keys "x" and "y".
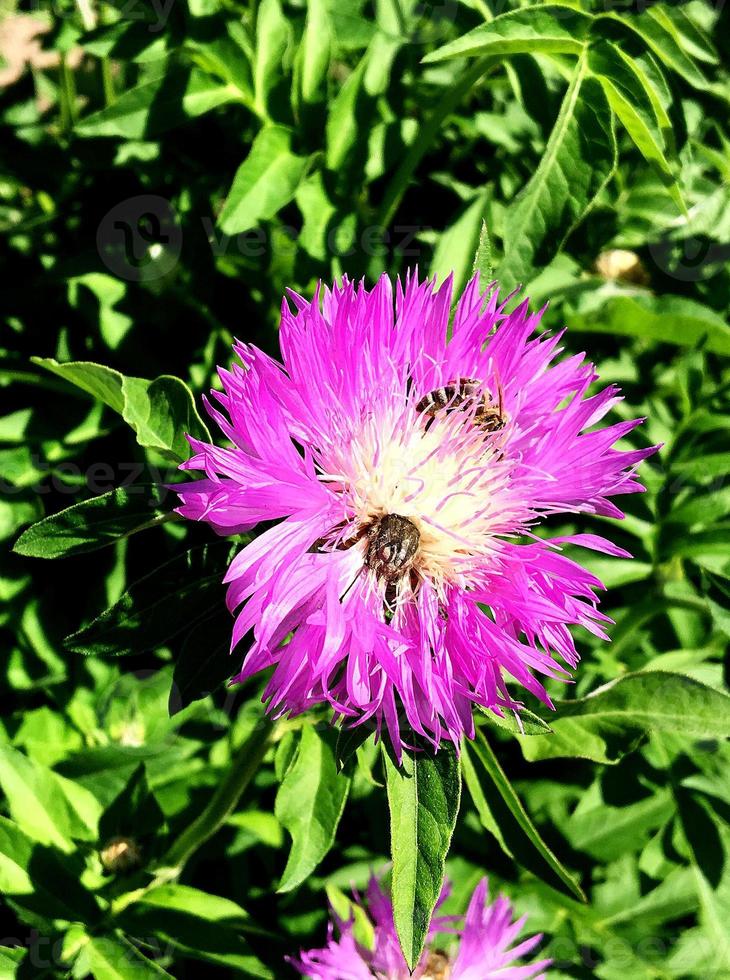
{"x": 484, "y": 950}
{"x": 400, "y": 467}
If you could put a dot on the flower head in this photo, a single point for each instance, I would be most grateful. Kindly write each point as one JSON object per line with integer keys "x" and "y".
{"x": 402, "y": 465}
{"x": 485, "y": 946}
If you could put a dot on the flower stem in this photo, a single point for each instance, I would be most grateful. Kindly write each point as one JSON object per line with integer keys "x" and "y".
{"x": 397, "y": 186}
{"x": 223, "y": 802}
{"x": 67, "y": 96}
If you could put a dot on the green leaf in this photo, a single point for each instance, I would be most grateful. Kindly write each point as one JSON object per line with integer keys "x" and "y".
{"x": 708, "y": 466}
{"x": 656, "y": 30}
{"x": 266, "y": 180}
{"x": 204, "y": 661}
{"x": 455, "y": 250}
{"x": 128, "y": 40}
{"x": 201, "y": 926}
{"x": 41, "y": 880}
{"x": 151, "y": 108}
{"x": 10, "y": 959}
{"x": 346, "y": 909}
{"x": 423, "y": 798}
{"x": 342, "y": 130}
{"x": 606, "y": 832}
{"x": 611, "y": 721}
{"x": 172, "y": 598}
{"x": 349, "y": 741}
{"x": 691, "y": 38}
{"x": 99, "y": 381}
{"x": 133, "y": 813}
{"x": 484, "y": 258}
{"x": 51, "y": 809}
{"x": 540, "y": 29}
{"x": 708, "y": 840}
{"x": 701, "y": 510}
{"x": 523, "y": 722}
{"x": 115, "y": 958}
{"x": 502, "y": 814}
{"x": 309, "y": 805}
{"x": 160, "y": 411}
{"x": 578, "y": 161}
{"x": 631, "y": 95}
{"x": 663, "y": 319}
{"x": 196, "y": 903}
{"x": 313, "y": 55}
{"x": 272, "y": 40}
{"x": 94, "y": 524}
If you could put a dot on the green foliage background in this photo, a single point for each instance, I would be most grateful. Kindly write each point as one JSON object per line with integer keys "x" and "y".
{"x": 165, "y": 175}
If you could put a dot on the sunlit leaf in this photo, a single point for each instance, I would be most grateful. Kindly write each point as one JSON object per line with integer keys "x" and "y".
{"x": 423, "y": 797}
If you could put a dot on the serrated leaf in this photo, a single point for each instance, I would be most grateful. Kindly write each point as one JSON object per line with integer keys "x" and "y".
{"x": 484, "y": 258}
{"x": 631, "y": 95}
{"x": 266, "y": 181}
{"x": 656, "y": 30}
{"x": 540, "y": 29}
{"x": 93, "y": 524}
{"x": 578, "y": 160}
{"x": 502, "y": 814}
{"x": 309, "y": 805}
{"x": 423, "y": 798}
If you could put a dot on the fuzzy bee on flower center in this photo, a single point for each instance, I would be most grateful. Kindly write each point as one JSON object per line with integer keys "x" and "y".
{"x": 392, "y": 548}
{"x": 464, "y": 394}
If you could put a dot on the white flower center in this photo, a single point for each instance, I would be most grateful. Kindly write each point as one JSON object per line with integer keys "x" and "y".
{"x": 448, "y": 478}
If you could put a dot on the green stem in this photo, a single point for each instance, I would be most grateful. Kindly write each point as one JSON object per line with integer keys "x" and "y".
{"x": 399, "y": 182}
{"x": 223, "y": 802}
{"x": 67, "y": 96}
{"x": 107, "y": 82}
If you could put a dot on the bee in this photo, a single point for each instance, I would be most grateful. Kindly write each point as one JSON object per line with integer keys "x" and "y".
{"x": 457, "y": 395}
{"x": 393, "y": 544}
{"x": 437, "y": 966}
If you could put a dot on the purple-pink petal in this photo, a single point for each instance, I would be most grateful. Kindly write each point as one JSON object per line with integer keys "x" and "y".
{"x": 335, "y": 438}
